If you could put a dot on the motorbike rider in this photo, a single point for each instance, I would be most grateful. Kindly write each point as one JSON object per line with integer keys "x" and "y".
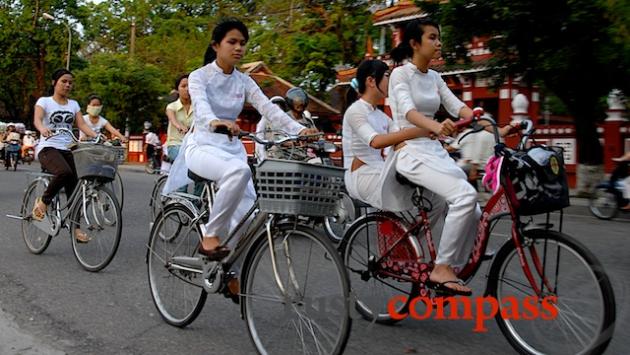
{"x": 11, "y": 135}
{"x": 622, "y": 172}
{"x": 152, "y": 145}
{"x": 297, "y": 101}
{"x": 28, "y": 142}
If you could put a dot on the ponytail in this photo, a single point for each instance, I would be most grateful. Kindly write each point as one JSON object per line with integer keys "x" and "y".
{"x": 413, "y": 30}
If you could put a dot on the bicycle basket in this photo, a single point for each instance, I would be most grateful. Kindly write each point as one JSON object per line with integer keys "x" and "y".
{"x": 539, "y": 179}
{"x": 95, "y": 161}
{"x": 120, "y": 154}
{"x": 290, "y": 187}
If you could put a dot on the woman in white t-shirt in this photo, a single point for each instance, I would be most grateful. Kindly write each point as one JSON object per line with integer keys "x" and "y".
{"x": 51, "y": 113}
{"x": 96, "y": 122}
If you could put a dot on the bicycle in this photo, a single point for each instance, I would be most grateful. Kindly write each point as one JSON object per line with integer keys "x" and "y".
{"x": 386, "y": 255}
{"x": 294, "y": 289}
{"x": 92, "y": 208}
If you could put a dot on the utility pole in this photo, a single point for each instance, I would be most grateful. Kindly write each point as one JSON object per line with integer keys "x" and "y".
{"x": 132, "y": 45}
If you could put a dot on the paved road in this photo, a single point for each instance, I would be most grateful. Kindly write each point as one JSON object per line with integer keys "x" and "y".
{"x": 48, "y": 303}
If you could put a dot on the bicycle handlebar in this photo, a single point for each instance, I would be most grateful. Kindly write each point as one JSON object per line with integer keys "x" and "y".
{"x": 59, "y": 131}
{"x": 266, "y": 142}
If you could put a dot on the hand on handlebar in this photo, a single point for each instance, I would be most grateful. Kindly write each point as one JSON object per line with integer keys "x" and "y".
{"x": 231, "y": 127}
{"x": 45, "y": 132}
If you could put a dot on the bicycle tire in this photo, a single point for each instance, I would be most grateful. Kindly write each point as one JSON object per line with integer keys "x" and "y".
{"x": 97, "y": 218}
{"x": 603, "y": 203}
{"x": 264, "y": 304}
{"x": 36, "y": 240}
{"x": 531, "y": 334}
{"x": 157, "y": 270}
{"x": 156, "y": 202}
{"x": 335, "y": 230}
{"x": 116, "y": 186}
{"x": 360, "y": 274}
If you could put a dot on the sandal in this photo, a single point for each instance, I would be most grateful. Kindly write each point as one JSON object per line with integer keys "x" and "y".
{"x": 216, "y": 254}
{"x": 81, "y": 237}
{"x": 441, "y": 288}
{"x": 37, "y": 212}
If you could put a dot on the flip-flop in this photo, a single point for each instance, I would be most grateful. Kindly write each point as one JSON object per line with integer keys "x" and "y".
{"x": 37, "y": 213}
{"x": 440, "y": 287}
{"x": 216, "y": 254}
{"x": 81, "y": 237}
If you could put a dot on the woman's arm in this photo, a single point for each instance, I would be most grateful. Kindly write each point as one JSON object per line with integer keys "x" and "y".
{"x": 38, "y": 121}
{"x": 271, "y": 111}
{"x": 205, "y": 119}
{"x": 172, "y": 119}
{"x": 78, "y": 118}
{"x": 114, "y": 131}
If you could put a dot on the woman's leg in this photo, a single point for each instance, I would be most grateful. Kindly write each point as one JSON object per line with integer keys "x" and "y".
{"x": 460, "y": 225}
{"x": 60, "y": 164}
{"x": 236, "y": 192}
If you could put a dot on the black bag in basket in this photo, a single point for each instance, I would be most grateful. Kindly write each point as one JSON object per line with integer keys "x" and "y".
{"x": 539, "y": 179}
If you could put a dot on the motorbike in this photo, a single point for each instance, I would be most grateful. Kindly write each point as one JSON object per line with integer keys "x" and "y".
{"x": 12, "y": 154}
{"x": 607, "y": 199}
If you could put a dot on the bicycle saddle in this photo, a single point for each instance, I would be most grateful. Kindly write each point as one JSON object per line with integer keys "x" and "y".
{"x": 196, "y": 178}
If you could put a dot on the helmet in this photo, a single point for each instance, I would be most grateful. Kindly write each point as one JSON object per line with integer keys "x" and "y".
{"x": 20, "y": 127}
{"x": 3, "y": 126}
{"x": 147, "y": 125}
{"x": 296, "y": 97}
{"x": 279, "y": 100}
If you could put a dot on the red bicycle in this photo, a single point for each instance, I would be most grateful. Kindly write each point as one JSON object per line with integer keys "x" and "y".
{"x": 389, "y": 255}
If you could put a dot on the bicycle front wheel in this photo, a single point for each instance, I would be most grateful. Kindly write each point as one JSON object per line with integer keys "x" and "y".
{"x": 176, "y": 292}
{"x": 580, "y": 320}
{"x": 35, "y": 239}
{"x": 156, "y": 204}
{"x": 309, "y": 312}
{"x": 96, "y": 214}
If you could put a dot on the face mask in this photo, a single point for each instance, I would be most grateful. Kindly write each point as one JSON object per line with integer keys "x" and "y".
{"x": 94, "y": 110}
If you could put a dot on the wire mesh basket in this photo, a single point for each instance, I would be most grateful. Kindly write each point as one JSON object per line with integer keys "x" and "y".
{"x": 296, "y": 188}
{"x": 96, "y": 161}
{"x": 120, "y": 154}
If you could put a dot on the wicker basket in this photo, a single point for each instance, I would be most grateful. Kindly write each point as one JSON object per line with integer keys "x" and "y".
{"x": 96, "y": 161}
{"x": 290, "y": 187}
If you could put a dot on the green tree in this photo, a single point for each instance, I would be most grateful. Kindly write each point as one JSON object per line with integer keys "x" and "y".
{"x": 32, "y": 48}
{"x": 578, "y": 50}
{"x": 130, "y": 89}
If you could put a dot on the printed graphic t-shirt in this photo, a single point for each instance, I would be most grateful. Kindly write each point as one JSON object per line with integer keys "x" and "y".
{"x": 57, "y": 116}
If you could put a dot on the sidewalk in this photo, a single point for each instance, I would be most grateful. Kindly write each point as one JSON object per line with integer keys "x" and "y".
{"x": 14, "y": 340}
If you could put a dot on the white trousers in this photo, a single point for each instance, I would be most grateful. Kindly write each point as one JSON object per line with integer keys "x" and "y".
{"x": 236, "y": 193}
{"x": 460, "y": 224}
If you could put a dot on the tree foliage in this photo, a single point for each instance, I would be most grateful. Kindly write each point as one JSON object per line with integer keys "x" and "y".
{"x": 301, "y": 40}
{"x": 576, "y": 49}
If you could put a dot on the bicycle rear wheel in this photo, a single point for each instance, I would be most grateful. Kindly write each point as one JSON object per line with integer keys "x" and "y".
{"x": 312, "y": 314}
{"x": 580, "y": 321}
{"x": 116, "y": 186}
{"x": 176, "y": 293}
{"x": 603, "y": 203}
{"x": 96, "y": 214}
{"x": 372, "y": 284}
{"x": 35, "y": 239}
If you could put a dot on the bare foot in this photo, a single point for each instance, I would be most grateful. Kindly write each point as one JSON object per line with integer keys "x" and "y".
{"x": 442, "y": 273}
{"x": 210, "y": 243}
{"x": 81, "y": 237}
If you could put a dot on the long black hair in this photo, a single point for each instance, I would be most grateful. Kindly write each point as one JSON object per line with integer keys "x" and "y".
{"x": 179, "y": 80}
{"x": 220, "y": 31}
{"x": 371, "y": 67}
{"x": 414, "y": 30}
{"x": 57, "y": 74}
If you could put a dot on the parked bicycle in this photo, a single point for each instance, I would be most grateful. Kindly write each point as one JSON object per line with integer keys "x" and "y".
{"x": 392, "y": 254}
{"x": 92, "y": 208}
{"x": 294, "y": 290}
